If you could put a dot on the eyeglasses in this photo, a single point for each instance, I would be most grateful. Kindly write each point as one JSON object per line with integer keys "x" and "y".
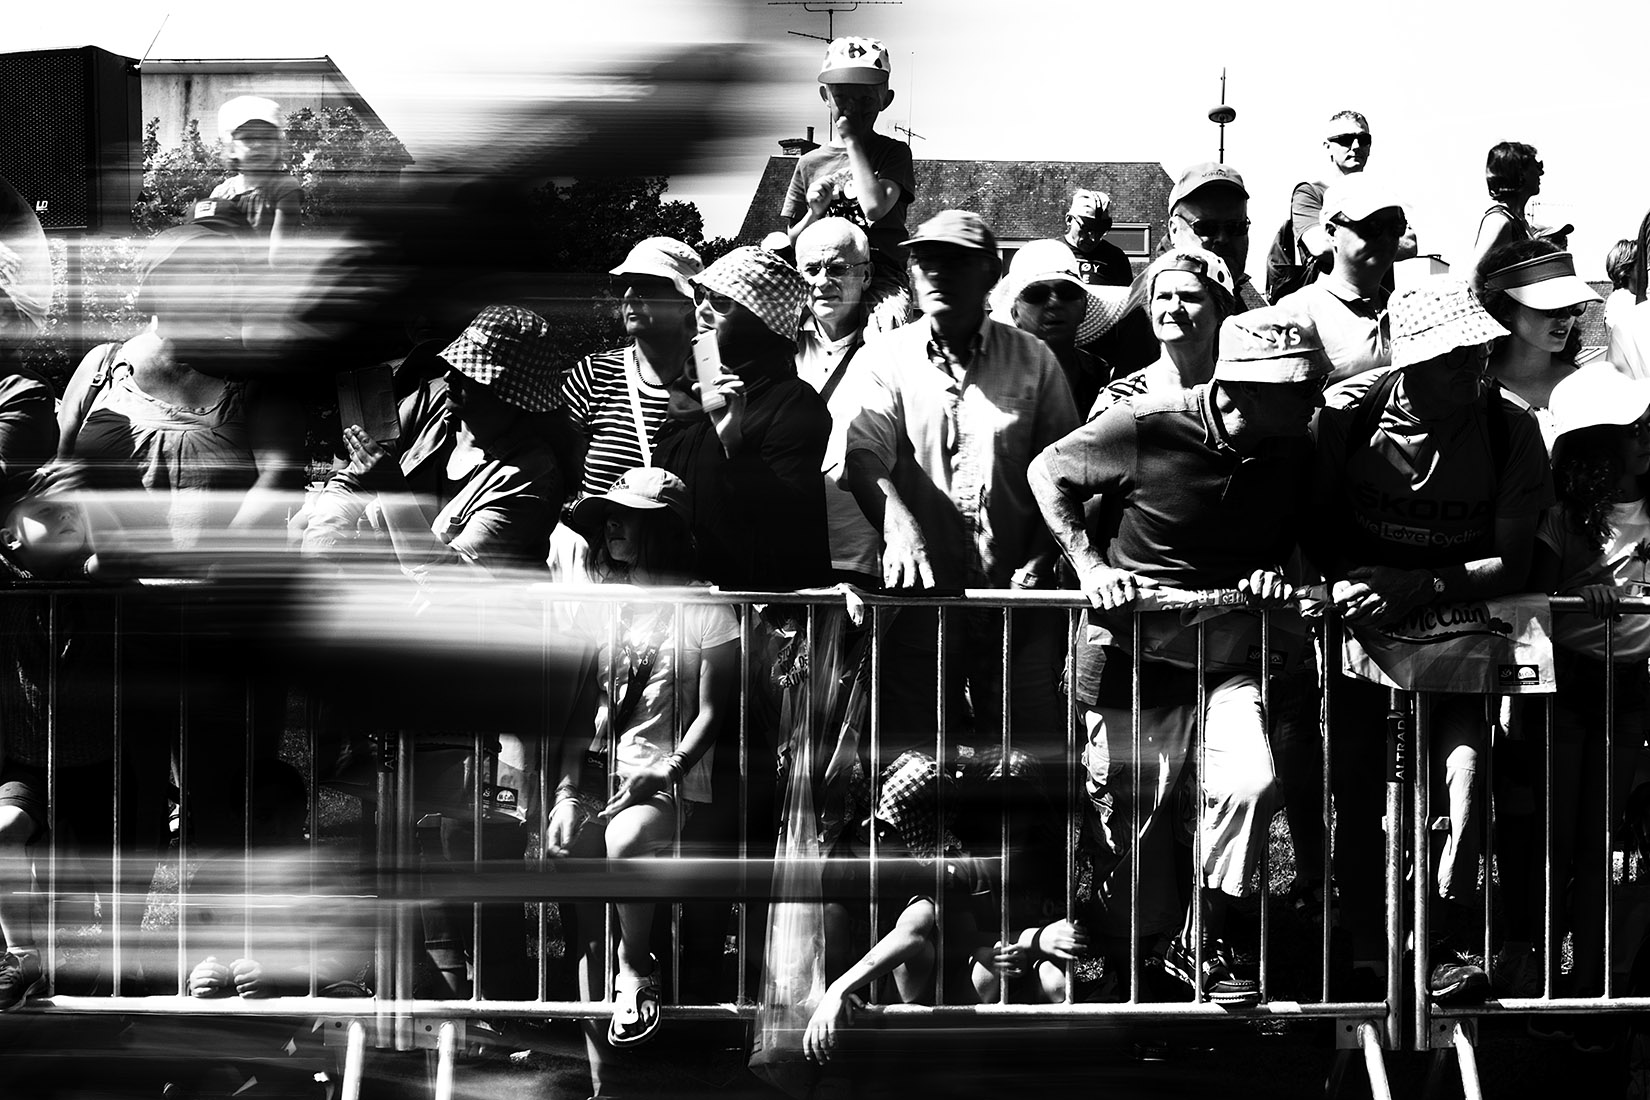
{"x": 1039, "y": 293}
{"x": 1209, "y": 229}
{"x": 721, "y": 303}
{"x": 836, "y": 269}
{"x": 1351, "y": 139}
{"x": 1564, "y": 311}
{"x": 1373, "y": 230}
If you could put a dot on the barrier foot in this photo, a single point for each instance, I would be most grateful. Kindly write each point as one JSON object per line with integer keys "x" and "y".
{"x": 446, "y": 1052}
{"x": 355, "y": 1059}
{"x": 1369, "y": 1038}
{"x": 1462, "y": 1040}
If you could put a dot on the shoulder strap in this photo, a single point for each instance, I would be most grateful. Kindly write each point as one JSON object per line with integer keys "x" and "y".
{"x": 835, "y": 380}
{"x": 1500, "y": 430}
{"x": 1368, "y": 415}
{"x": 99, "y": 379}
{"x": 633, "y": 367}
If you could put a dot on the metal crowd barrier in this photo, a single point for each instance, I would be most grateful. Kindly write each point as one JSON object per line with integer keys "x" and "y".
{"x": 396, "y": 1017}
{"x": 1453, "y": 1028}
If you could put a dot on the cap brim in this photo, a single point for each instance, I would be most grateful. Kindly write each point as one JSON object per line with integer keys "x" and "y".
{"x": 975, "y": 246}
{"x": 1275, "y": 371}
{"x": 853, "y": 76}
{"x": 1465, "y": 332}
{"x": 587, "y": 515}
{"x": 1566, "y": 290}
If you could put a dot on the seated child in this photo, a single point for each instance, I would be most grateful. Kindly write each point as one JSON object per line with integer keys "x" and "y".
{"x": 266, "y": 195}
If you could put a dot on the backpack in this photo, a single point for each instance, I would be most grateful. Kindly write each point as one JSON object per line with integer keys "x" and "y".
{"x": 1287, "y": 269}
{"x": 1370, "y": 406}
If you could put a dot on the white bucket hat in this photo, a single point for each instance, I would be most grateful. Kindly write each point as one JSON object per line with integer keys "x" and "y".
{"x": 1052, "y": 261}
{"x": 1435, "y": 317}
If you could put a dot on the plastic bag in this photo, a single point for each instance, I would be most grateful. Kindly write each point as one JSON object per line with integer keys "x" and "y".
{"x": 831, "y": 691}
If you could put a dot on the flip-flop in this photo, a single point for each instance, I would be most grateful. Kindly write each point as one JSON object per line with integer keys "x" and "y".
{"x": 630, "y": 993}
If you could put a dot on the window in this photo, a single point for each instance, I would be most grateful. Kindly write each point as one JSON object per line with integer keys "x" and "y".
{"x": 1134, "y": 238}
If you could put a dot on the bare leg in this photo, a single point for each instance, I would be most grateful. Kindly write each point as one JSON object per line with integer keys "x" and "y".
{"x": 17, "y": 907}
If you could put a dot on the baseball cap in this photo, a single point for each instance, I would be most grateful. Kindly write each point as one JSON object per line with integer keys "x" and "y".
{"x": 1597, "y": 395}
{"x": 643, "y": 489}
{"x": 1206, "y": 174}
{"x": 959, "y": 227}
{"x": 1271, "y": 344}
{"x": 1354, "y": 198}
{"x": 853, "y": 59}
{"x": 242, "y": 109}
{"x": 663, "y": 258}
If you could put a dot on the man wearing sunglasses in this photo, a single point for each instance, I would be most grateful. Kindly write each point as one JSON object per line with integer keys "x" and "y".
{"x": 1087, "y": 222}
{"x": 1348, "y": 143}
{"x": 1366, "y": 225}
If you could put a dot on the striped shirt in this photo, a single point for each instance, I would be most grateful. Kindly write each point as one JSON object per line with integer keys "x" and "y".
{"x": 598, "y": 404}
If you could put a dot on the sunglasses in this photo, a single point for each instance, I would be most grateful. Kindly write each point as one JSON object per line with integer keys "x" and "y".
{"x": 1373, "y": 229}
{"x": 836, "y": 269}
{"x": 1209, "y": 228}
{"x": 1564, "y": 311}
{"x": 1039, "y": 293}
{"x": 720, "y": 303}
{"x": 1350, "y": 139}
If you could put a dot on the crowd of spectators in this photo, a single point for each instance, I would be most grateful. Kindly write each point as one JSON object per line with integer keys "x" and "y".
{"x": 887, "y": 407}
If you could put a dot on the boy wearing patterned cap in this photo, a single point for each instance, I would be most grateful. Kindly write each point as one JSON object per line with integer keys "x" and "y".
{"x": 1088, "y": 220}
{"x": 1431, "y": 485}
{"x": 752, "y": 464}
{"x": 1207, "y": 487}
{"x": 858, "y": 174}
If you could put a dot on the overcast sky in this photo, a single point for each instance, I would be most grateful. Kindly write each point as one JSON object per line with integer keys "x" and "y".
{"x": 1441, "y": 82}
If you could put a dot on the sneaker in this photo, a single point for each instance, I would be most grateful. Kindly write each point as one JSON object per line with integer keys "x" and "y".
{"x": 20, "y": 979}
{"x": 1225, "y": 979}
{"x": 1457, "y": 979}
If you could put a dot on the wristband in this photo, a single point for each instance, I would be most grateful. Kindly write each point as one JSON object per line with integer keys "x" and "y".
{"x": 676, "y": 764}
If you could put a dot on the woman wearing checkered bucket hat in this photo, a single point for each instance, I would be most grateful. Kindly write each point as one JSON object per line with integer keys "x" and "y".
{"x": 474, "y": 480}
{"x": 752, "y": 456}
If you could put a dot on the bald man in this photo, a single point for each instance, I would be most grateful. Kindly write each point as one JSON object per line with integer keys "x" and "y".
{"x": 834, "y": 256}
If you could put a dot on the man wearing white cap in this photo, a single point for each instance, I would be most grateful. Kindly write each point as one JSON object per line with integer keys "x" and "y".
{"x": 1431, "y": 486}
{"x": 266, "y": 195}
{"x": 1365, "y": 224}
{"x": 1087, "y": 222}
{"x": 1205, "y": 487}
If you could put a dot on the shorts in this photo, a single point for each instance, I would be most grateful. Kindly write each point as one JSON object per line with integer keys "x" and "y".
{"x": 24, "y": 786}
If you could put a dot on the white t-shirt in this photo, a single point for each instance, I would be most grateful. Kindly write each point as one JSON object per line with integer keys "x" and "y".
{"x": 652, "y": 729}
{"x": 1630, "y": 340}
{"x": 1625, "y": 562}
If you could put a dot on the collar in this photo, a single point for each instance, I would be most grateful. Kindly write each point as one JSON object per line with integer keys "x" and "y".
{"x": 1332, "y": 283}
{"x": 942, "y": 354}
{"x": 810, "y": 328}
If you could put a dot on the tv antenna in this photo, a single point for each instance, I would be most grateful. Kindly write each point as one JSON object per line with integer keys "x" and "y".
{"x": 1221, "y": 114}
{"x": 150, "y": 48}
{"x": 830, "y": 8}
{"x": 908, "y": 132}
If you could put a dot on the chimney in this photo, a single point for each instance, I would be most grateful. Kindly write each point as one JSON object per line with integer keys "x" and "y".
{"x": 795, "y": 147}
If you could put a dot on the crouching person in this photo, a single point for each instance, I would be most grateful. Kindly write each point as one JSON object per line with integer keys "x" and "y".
{"x": 1204, "y": 488}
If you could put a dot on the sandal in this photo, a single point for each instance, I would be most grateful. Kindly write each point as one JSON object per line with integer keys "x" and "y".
{"x": 629, "y": 1025}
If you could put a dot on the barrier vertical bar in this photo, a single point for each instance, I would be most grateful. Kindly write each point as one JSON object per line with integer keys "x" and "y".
{"x": 446, "y": 1051}
{"x": 53, "y": 672}
{"x": 117, "y": 892}
{"x": 387, "y": 926}
{"x": 1137, "y": 783}
{"x": 874, "y": 780}
{"x": 1266, "y": 853}
{"x": 610, "y": 746}
{"x": 313, "y": 833}
{"x": 246, "y": 822}
{"x": 355, "y": 1058}
{"x": 741, "y": 907}
{"x": 678, "y": 639}
{"x": 406, "y": 860}
{"x": 483, "y": 779}
{"x": 541, "y": 741}
{"x": 1200, "y": 716}
{"x": 1404, "y": 708}
{"x": 1549, "y": 890}
{"x": 1487, "y": 829}
{"x": 939, "y": 806}
{"x": 183, "y": 803}
{"x": 1073, "y": 787}
{"x": 1328, "y": 654}
{"x": 1609, "y": 809}
{"x": 1007, "y": 659}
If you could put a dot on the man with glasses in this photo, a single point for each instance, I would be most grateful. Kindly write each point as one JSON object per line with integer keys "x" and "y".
{"x": 1431, "y": 485}
{"x": 834, "y": 256}
{"x": 1099, "y": 262}
{"x": 951, "y": 410}
{"x": 1208, "y": 210}
{"x": 1366, "y": 225}
{"x": 1347, "y": 143}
